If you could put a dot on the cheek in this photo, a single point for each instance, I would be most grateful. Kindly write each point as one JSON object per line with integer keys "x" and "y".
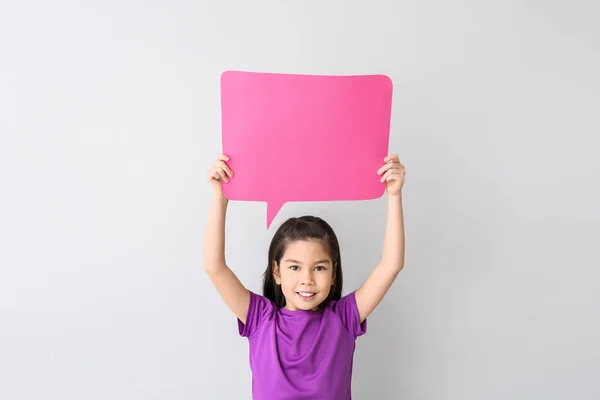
{"x": 325, "y": 280}
{"x": 287, "y": 280}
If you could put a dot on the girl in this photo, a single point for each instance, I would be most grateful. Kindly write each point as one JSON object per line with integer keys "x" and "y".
{"x": 301, "y": 331}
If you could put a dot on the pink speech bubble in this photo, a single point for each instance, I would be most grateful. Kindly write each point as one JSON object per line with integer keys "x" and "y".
{"x": 304, "y": 137}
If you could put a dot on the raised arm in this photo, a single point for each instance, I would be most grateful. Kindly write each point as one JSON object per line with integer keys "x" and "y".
{"x": 377, "y": 284}
{"x": 235, "y": 295}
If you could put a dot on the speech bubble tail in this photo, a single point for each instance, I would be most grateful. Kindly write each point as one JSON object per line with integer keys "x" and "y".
{"x": 272, "y": 210}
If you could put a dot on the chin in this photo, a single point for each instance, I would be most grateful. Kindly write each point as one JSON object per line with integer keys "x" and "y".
{"x": 307, "y": 307}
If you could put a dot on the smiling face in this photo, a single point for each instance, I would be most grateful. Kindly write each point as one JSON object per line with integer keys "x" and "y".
{"x": 305, "y": 274}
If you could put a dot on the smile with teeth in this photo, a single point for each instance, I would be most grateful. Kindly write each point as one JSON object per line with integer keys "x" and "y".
{"x": 306, "y": 295}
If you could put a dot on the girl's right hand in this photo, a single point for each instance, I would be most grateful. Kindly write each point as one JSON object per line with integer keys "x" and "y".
{"x": 218, "y": 173}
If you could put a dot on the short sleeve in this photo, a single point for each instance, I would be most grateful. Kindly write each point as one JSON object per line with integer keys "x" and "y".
{"x": 259, "y": 308}
{"x": 347, "y": 310}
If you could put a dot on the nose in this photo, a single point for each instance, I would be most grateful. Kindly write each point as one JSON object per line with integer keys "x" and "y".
{"x": 307, "y": 278}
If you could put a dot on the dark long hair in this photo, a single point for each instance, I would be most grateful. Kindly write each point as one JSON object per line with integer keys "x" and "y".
{"x": 302, "y": 228}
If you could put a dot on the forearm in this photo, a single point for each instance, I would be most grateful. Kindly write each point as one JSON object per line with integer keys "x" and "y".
{"x": 393, "y": 242}
{"x": 214, "y": 237}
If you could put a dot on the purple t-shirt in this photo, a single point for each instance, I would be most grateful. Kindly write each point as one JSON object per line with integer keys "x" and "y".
{"x": 301, "y": 354}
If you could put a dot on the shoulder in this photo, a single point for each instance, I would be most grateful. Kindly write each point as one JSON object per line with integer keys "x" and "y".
{"x": 347, "y": 301}
{"x": 347, "y": 311}
{"x": 259, "y": 309}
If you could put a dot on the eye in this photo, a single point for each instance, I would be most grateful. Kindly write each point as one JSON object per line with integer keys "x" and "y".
{"x": 320, "y": 268}
{"x": 294, "y": 267}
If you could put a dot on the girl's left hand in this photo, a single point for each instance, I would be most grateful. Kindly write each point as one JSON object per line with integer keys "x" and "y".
{"x": 393, "y": 175}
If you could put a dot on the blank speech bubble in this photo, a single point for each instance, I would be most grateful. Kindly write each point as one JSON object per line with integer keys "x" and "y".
{"x": 304, "y": 137}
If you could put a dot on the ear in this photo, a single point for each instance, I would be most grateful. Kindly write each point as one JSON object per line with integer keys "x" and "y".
{"x": 276, "y": 273}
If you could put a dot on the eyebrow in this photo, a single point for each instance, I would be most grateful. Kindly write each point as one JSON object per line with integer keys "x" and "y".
{"x": 289, "y": 260}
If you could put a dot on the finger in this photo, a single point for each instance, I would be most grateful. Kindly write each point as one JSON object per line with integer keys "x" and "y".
{"x": 226, "y": 168}
{"x": 393, "y": 177}
{"x": 386, "y": 167}
{"x": 222, "y": 157}
{"x": 388, "y": 176}
{"x": 392, "y": 158}
{"x": 222, "y": 175}
{"x": 215, "y": 175}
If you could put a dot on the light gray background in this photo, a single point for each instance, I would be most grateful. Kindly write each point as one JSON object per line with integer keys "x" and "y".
{"x": 110, "y": 117}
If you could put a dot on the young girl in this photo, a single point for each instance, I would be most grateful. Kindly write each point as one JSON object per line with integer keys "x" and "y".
{"x": 301, "y": 331}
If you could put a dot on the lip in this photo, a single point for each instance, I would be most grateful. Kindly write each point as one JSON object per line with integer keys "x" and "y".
{"x": 306, "y": 298}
